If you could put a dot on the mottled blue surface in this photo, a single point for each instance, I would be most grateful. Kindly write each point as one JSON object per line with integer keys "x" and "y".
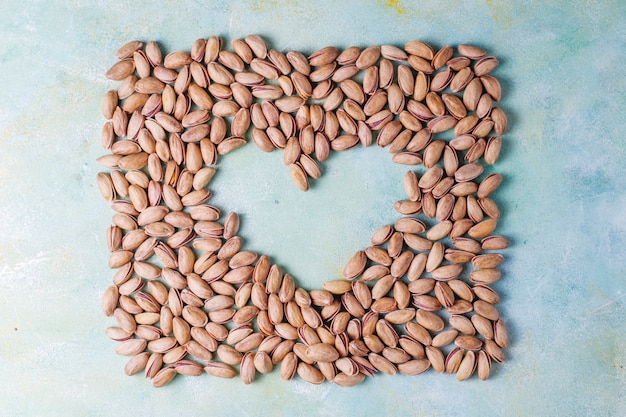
{"x": 564, "y": 207}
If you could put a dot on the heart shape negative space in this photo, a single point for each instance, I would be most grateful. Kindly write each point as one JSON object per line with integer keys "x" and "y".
{"x": 187, "y": 297}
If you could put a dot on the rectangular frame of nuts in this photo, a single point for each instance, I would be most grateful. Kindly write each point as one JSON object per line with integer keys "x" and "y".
{"x": 188, "y": 299}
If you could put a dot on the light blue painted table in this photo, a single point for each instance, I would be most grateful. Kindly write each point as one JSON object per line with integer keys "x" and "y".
{"x": 563, "y": 291}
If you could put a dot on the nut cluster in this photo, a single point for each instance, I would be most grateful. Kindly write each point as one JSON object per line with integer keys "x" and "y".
{"x": 189, "y": 299}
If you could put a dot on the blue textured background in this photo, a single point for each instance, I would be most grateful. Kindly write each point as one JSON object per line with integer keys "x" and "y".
{"x": 564, "y": 85}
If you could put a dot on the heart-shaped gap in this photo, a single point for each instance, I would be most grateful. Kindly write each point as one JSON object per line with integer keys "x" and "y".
{"x": 312, "y": 235}
{"x": 362, "y": 325}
